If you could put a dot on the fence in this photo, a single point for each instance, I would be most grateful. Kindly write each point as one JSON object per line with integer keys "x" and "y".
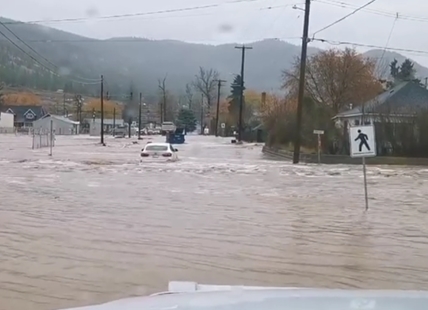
{"x": 43, "y": 138}
{"x": 4, "y": 130}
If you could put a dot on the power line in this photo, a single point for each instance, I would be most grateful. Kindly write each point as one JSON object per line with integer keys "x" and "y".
{"x": 344, "y": 17}
{"x": 116, "y": 16}
{"x": 395, "y": 49}
{"x": 156, "y": 17}
{"x": 41, "y": 64}
{"x": 38, "y": 54}
{"x": 387, "y": 41}
{"x": 375, "y": 11}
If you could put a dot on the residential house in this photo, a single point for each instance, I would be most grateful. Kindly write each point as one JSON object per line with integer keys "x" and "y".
{"x": 24, "y": 116}
{"x": 60, "y": 125}
{"x": 389, "y": 112}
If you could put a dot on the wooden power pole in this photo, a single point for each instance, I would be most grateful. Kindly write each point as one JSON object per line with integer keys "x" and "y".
{"x": 217, "y": 113}
{"x": 243, "y": 48}
{"x": 305, "y": 39}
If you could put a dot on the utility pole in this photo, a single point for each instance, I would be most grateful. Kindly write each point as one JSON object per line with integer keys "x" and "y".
{"x": 129, "y": 116}
{"x": 241, "y": 97}
{"x": 63, "y": 104}
{"x": 114, "y": 121}
{"x": 164, "y": 108}
{"x": 202, "y": 114}
{"x": 102, "y": 110}
{"x": 139, "y": 117}
{"x": 305, "y": 39}
{"x": 218, "y": 106}
{"x": 78, "y": 101}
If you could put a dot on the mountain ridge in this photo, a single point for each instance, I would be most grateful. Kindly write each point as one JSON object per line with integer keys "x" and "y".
{"x": 126, "y": 61}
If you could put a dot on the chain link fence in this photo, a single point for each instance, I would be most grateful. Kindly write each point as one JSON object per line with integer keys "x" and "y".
{"x": 42, "y": 138}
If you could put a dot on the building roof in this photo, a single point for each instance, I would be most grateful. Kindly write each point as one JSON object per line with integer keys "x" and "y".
{"x": 61, "y": 118}
{"x": 405, "y": 99}
{"x": 24, "y": 113}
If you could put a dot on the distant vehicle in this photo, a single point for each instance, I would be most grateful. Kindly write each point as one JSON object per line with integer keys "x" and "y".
{"x": 176, "y": 137}
{"x": 153, "y": 132}
{"x": 167, "y": 126}
{"x": 119, "y": 132}
{"x": 159, "y": 151}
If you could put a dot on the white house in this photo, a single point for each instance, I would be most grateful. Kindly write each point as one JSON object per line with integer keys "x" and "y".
{"x": 60, "y": 125}
{"x": 6, "y": 120}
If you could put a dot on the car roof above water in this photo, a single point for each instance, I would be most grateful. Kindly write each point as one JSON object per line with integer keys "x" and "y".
{"x": 157, "y": 144}
{"x": 153, "y": 145}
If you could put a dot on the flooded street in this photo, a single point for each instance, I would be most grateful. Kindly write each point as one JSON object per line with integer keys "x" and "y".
{"x": 92, "y": 224}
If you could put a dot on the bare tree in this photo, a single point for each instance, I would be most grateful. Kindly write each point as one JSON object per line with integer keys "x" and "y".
{"x": 206, "y": 84}
{"x": 164, "y": 97}
{"x": 336, "y": 78}
{"x": 381, "y": 70}
{"x": 168, "y": 103}
{"x": 189, "y": 96}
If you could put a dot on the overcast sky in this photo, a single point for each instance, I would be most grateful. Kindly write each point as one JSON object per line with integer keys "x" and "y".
{"x": 238, "y": 21}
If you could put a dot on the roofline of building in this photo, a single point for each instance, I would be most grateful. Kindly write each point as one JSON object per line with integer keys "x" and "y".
{"x": 60, "y": 119}
{"x": 373, "y": 114}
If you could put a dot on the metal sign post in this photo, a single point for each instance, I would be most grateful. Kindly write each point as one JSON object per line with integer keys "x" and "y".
{"x": 319, "y": 133}
{"x": 366, "y": 197}
{"x": 363, "y": 144}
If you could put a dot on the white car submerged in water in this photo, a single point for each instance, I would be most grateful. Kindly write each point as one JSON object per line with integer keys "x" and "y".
{"x": 193, "y": 296}
{"x": 159, "y": 151}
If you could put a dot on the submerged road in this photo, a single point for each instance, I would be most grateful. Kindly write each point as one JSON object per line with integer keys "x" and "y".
{"x": 91, "y": 224}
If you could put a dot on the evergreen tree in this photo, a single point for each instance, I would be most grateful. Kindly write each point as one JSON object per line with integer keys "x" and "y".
{"x": 187, "y": 119}
{"x": 234, "y": 98}
{"x": 405, "y": 72}
{"x": 394, "y": 68}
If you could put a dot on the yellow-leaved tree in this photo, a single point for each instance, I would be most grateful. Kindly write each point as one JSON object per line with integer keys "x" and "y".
{"x": 335, "y": 78}
{"x": 110, "y": 107}
{"x": 24, "y": 98}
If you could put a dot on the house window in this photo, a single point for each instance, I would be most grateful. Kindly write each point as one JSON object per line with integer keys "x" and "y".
{"x": 356, "y": 122}
{"x": 30, "y": 116}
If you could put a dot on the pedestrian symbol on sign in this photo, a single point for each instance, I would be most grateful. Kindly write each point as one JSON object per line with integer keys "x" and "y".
{"x": 363, "y": 140}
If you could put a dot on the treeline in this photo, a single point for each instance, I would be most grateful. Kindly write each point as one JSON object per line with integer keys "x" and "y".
{"x": 336, "y": 81}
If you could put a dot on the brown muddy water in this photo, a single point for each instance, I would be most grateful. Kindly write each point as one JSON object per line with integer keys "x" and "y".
{"x": 91, "y": 224}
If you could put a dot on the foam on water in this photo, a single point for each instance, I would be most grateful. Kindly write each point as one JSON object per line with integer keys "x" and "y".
{"x": 91, "y": 224}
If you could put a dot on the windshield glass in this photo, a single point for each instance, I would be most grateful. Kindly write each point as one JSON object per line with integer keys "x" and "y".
{"x": 159, "y": 148}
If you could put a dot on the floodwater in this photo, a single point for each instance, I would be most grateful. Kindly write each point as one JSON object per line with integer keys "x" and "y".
{"x": 90, "y": 224}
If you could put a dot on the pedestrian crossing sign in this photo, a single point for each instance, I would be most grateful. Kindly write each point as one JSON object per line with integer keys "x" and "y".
{"x": 362, "y": 140}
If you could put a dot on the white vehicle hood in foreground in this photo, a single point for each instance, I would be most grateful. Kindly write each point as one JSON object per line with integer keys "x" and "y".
{"x": 257, "y": 298}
